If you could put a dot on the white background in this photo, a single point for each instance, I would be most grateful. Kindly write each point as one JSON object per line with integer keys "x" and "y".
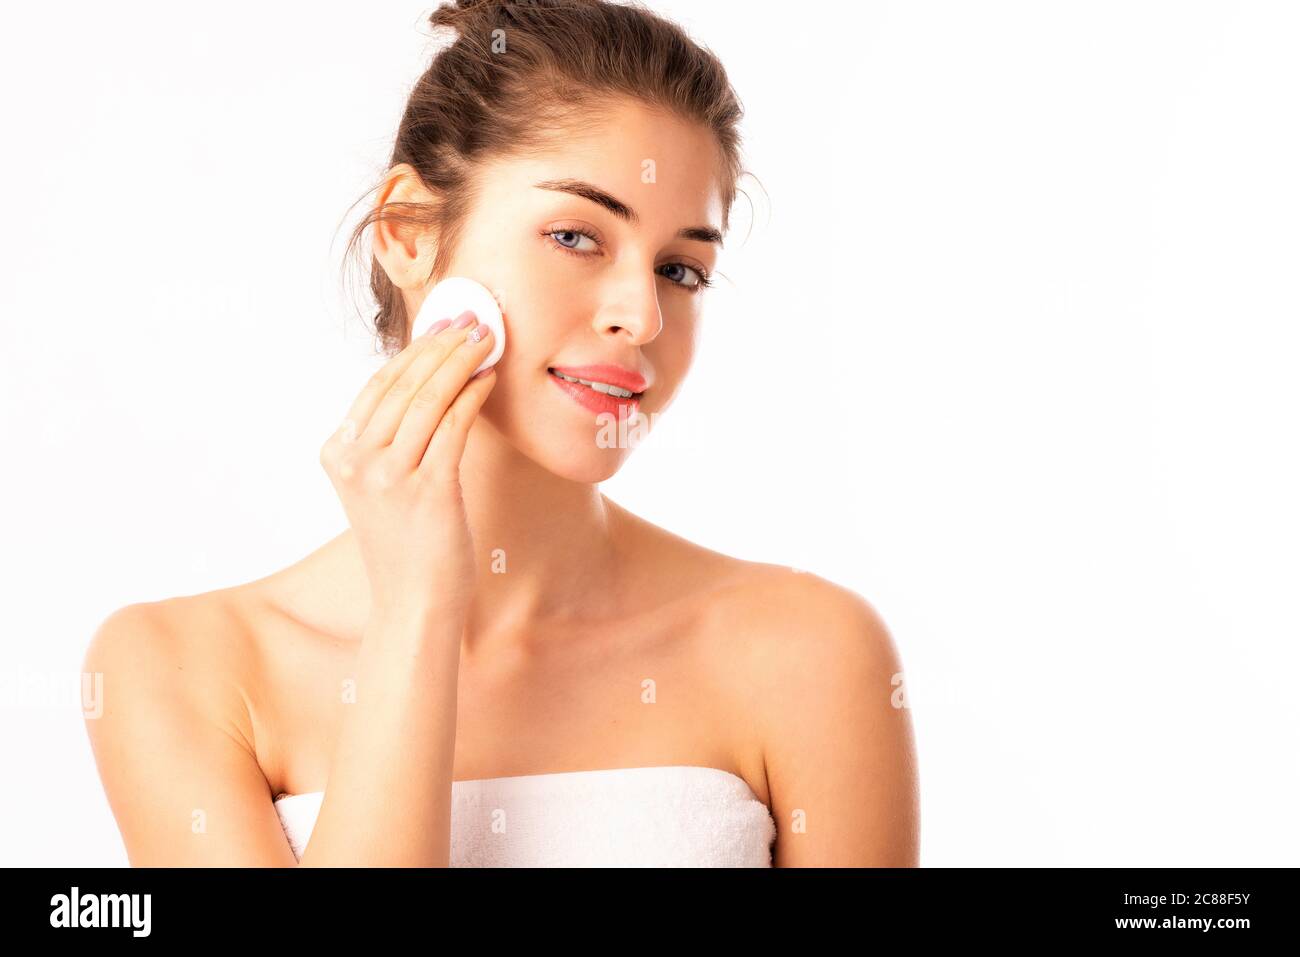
{"x": 1019, "y": 296}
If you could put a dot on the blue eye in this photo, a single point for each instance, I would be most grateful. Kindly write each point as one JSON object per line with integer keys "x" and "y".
{"x": 575, "y": 236}
{"x": 702, "y": 282}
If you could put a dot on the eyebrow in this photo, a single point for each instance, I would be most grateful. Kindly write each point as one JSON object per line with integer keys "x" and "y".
{"x": 703, "y": 234}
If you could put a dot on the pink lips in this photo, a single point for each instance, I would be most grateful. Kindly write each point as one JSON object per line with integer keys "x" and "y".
{"x": 608, "y": 374}
{"x": 599, "y": 402}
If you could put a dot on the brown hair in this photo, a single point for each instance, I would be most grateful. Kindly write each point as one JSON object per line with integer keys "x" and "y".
{"x": 518, "y": 73}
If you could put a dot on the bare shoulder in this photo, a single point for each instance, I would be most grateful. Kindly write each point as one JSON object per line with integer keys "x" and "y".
{"x": 767, "y": 612}
{"x": 820, "y": 677}
{"x": 776, "y": 626}
{"x": 172, "y": 739}
{"x": 188, "y": 655}
{"x": 789, "y": 612}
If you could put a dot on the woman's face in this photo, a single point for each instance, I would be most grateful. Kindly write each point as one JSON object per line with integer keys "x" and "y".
{"x": 583, "y": 285}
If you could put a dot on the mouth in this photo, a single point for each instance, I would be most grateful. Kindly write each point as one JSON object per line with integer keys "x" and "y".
{"x": 595, "y": 385}
{"x": 599, "y": 395}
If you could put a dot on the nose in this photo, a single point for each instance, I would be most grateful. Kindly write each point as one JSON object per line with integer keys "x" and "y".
{"x": 632, "y": 311}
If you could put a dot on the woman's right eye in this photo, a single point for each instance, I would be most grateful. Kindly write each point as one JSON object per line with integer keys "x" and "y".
{"x": 571, "y": 240}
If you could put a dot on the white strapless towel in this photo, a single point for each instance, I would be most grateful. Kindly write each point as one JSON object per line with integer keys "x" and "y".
{"x": 671, "y": 816}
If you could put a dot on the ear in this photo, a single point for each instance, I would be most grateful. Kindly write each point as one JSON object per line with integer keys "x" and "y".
{"x": 404, "y": 252}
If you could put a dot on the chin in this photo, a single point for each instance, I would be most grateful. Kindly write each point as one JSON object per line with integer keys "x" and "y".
{"x": 574, "y": 456}
{"x": 572, "y": 443}
{"x": 563, "y": 446}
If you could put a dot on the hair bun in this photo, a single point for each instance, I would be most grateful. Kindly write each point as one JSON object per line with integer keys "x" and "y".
{"x": 456, "y": 12}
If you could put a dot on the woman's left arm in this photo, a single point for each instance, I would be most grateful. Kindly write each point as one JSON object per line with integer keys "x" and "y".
{"x": 838, "y": 745}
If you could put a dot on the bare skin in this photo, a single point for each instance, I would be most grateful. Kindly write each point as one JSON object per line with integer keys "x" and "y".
{"x": 782, "y": 678}
{"x": 567, "y": 695}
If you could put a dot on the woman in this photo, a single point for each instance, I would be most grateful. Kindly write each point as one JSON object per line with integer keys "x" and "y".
{"x": 495, "y": 664}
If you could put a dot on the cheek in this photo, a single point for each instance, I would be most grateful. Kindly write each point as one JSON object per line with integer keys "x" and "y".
{"x": 540, "y": 297}
{"x": 677, "y": 345}
{"x": 534, "y": 332}
{"x": 532, "y": 304}
{"x": 672, "y": 355}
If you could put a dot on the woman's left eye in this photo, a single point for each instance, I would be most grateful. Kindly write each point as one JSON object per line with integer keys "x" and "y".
{"x": 700, "y": 279}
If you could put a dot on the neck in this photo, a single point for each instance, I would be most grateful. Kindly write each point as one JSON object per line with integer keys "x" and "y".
{"x": 545, "y": 546}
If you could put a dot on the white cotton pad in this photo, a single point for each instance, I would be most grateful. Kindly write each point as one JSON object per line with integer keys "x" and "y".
{"x": 449, "y": 298}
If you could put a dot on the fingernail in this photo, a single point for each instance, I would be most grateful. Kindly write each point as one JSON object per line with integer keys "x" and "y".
{"x": 437, "y": 327}
{"x": 479, "y": 332}
{"x": 481, "y": 373}
{"x": 466, "y": 319}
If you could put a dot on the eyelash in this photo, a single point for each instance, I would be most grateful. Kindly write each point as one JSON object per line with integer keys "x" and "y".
{"x": 704, "y": 283}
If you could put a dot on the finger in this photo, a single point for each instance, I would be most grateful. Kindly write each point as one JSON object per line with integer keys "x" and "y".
{"x": 367, "y": 400}
{"x": 430, "y": 404}
{"x": 441, "y": 460}
{"x": 387, "y": 415}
